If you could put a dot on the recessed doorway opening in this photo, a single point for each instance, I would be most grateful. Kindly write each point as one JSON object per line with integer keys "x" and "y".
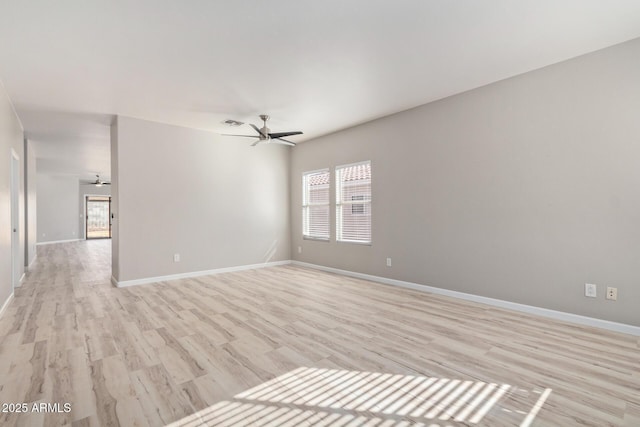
{"x": 98, "y": 217}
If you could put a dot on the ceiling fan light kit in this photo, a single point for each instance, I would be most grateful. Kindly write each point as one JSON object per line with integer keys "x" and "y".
{"x": 265, "y": 135}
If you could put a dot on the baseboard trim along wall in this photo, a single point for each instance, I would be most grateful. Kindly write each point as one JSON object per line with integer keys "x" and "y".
{"x": 35, "y": 257}
{"x": 6, "y": 304}
{"x": 553, "y": 314}
{"x": 126, "y": 283}
{"x": 58, "y": 241}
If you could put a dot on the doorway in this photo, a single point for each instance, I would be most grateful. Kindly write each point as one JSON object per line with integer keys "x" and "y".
{"x": 97, "y": 219}
{"x": 16, "y": 261}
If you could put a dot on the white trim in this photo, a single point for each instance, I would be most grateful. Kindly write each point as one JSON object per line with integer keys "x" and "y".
{"x": 6, "y": 304}
{"x": 146, "y": 280}
{"x": 14, "y": 193}
{"x": 35, "y": 257}
{"x": 317, "y": 239}
{"x": 58, "y": 241}
{"x": 544, "y": 312}
{"x": 355, "y": 242}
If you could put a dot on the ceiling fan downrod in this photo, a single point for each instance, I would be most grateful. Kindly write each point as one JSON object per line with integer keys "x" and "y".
{"x": 264, "y": 132}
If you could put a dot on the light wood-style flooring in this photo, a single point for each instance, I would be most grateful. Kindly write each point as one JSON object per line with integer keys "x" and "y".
{"x": 288, "y": 346}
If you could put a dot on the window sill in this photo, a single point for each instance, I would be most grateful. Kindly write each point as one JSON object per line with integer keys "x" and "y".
{"x": 317, "y": 239}
{"x": 355, "y": 242}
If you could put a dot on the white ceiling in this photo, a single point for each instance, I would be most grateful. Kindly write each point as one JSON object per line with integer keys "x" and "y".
{"x": 319, "y": 66}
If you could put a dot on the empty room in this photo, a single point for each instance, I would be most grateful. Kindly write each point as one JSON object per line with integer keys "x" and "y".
{"x": 291, "y": 213}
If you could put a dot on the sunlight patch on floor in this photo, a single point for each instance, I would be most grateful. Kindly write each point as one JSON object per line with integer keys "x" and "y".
{"x": 331, "y": 397}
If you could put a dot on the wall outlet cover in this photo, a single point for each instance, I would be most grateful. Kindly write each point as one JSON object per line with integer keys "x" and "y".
{"x": 590, "y": 290}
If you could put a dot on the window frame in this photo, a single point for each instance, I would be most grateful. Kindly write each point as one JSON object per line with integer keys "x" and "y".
{"x": 363, "y": 202}
{"x": 306, "y": 205}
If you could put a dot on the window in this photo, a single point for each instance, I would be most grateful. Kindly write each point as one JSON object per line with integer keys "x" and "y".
{"x": 353, "y": 203}
{"x": 315, "y": 204}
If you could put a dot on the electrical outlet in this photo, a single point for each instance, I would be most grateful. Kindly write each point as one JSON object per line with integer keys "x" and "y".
{"x": 388, "y": 262}
{"x": 299, "y": 249}
{"x": 612, "y": 293}
{"x": 590, "y": 290}
{"x": 176, "y": 257}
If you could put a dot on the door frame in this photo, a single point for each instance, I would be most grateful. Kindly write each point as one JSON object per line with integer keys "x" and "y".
{"x": 14, "y": 191}
{"x": 86, "y": 214}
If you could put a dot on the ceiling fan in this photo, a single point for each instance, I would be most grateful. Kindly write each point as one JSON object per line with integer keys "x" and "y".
{"x": 98, "y": 182}
{"x": 265, "y": 134}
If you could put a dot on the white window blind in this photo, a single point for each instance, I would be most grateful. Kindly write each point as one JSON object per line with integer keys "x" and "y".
{"x": 315, "y": 204}
{"x": 353, "y": 203}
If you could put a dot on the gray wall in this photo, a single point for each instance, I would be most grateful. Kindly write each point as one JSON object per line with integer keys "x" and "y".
{"x": 217, "y": 202}
{"x": 84, "y": 191}
{"x": 57, "y": 208}
{"x": 31, "y": 220}
{"x": 11, "y": 137}
{"x": 522, "y": 190}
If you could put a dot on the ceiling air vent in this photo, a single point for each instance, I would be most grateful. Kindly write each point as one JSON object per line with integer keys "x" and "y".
{"x": 232, "y": 122}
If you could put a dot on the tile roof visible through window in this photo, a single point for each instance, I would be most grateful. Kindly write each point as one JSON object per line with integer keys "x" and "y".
{"x": 351, "y": 173}
{"x": 357, "y": 172}
{"x": 319, "y": 178}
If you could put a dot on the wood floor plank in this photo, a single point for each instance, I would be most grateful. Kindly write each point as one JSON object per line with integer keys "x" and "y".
{"x": 105, "y": 402}
{"x": 60, "y": 376}
{"x": 38, "y": 364}
{"x": 82, "y": 399}
{"x": 162, "y": 401}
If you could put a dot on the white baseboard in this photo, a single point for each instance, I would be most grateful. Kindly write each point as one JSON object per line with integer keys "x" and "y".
{"x": 6, "y": 304}
{"x": 35, "y": 257}
{"x": 553, "y": 314}
{"x": 57, "y": 241}
{"x": 146, "y": 280}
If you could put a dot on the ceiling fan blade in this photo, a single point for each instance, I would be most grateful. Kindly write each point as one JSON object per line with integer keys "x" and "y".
{"x": 256, "y": 143}
{"x": 244, "y": 136}
{"x": 281, "y": 134}
{"x": 258, "y": 130}
{"x": 284, "y": 142}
